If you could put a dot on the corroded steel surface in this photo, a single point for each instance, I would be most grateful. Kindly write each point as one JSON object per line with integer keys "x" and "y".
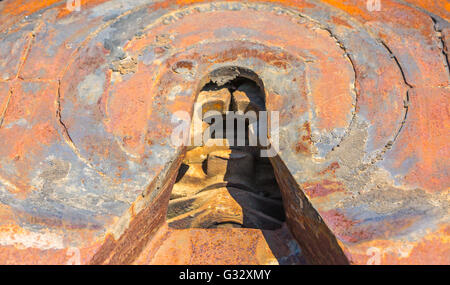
{"x": 86, "y": 98}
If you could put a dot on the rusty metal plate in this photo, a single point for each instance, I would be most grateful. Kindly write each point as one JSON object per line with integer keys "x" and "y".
{"x": 87, "y": 98}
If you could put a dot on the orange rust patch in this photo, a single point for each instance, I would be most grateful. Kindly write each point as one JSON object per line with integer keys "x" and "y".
{"x": 11, "y": 255}
{"x": 405, "y": 252}
{"x": 425, "y": 139}
{"x": 322, "y": 188}
{"x": 441, "y": 8}
{"x": 340, "y": 21}
{"x": 331, "y": 169}
{"x": 129, "y": 109}
{"x": 304, "y": 145}
{"x": 342, "y": 226}
{"x": 6, "y": 215}
{"x": 28, "y": 128}
{"x": 350, "y": 7}
{"x": 26, "y": 7}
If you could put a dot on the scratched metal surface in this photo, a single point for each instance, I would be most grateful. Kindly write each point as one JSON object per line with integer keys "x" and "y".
{"x": 86, "y": 99}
